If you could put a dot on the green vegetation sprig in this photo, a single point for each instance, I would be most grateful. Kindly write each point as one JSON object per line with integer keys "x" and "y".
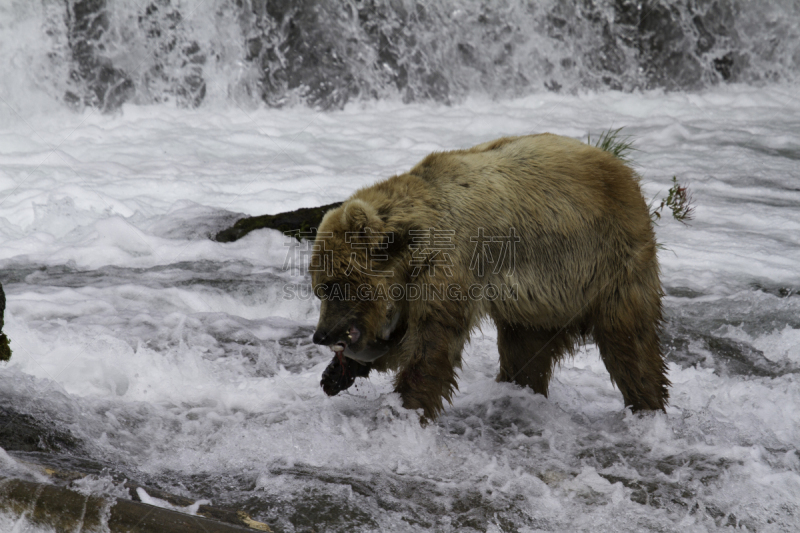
{"x": 678, "y": 200}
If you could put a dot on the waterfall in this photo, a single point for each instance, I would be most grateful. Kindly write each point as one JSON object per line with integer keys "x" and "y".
{"x": 103, "y": 53}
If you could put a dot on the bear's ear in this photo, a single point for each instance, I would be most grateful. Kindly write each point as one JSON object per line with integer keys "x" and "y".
{"x": 358, "y": 216}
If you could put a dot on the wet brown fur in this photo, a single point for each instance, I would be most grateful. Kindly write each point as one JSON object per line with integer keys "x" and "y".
{"x": 585, "y": 266}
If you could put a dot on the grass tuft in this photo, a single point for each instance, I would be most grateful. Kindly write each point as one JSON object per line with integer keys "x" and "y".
{"x": 620, "y": 146}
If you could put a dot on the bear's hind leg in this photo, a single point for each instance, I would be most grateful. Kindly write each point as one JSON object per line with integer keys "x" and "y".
{"x": 631, "y": 352}
{"x": 528, "y": 355}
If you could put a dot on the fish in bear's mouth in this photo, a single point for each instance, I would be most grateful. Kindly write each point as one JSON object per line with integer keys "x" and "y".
{"x": 372, "y": 350}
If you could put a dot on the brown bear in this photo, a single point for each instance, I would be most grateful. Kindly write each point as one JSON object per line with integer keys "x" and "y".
{"x": 549, "y": 237}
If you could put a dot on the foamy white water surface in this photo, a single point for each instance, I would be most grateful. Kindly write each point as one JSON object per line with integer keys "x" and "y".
{"x": 175, "y": 361}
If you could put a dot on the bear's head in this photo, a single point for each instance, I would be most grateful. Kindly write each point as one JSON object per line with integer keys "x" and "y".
{"x": 352, "y": 266}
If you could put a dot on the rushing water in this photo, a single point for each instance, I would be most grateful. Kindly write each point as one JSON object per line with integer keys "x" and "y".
{"x": 149, "y": 352}
{"x": 145, "y": 351}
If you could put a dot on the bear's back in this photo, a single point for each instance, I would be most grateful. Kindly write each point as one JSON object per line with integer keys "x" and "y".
{"x": 577, "y": 209}
{"x": 558, "y": 182}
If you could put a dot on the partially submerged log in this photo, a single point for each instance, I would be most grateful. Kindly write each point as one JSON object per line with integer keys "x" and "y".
{"x": 64, "y": 509}
{"x": 298, "y": 223}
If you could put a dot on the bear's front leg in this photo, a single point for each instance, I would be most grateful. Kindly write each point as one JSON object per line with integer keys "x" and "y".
{"x": 429, "y": 376}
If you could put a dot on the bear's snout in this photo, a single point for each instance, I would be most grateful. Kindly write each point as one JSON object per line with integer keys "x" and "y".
{"x": 326, "y": 338}
{"x": 321, "y": 337}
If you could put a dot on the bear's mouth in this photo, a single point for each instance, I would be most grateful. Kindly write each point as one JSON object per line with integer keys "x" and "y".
{"x": 353, "y": 334}
{"x": 371, "y": 350}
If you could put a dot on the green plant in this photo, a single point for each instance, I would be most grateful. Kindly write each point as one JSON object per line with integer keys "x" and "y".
{"x": 678, "y": 200}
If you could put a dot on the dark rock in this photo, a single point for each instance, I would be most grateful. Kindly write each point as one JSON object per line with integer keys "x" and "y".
{"x": 177, "y": 69}
{"x": 5, "y": 349}
{"x": 22, "y": 432}
{"x": 706, "y": 39}
{"x": 730, "y": 66}
{"x": 299, "y": 50}
{"x": 98, "y": 83}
